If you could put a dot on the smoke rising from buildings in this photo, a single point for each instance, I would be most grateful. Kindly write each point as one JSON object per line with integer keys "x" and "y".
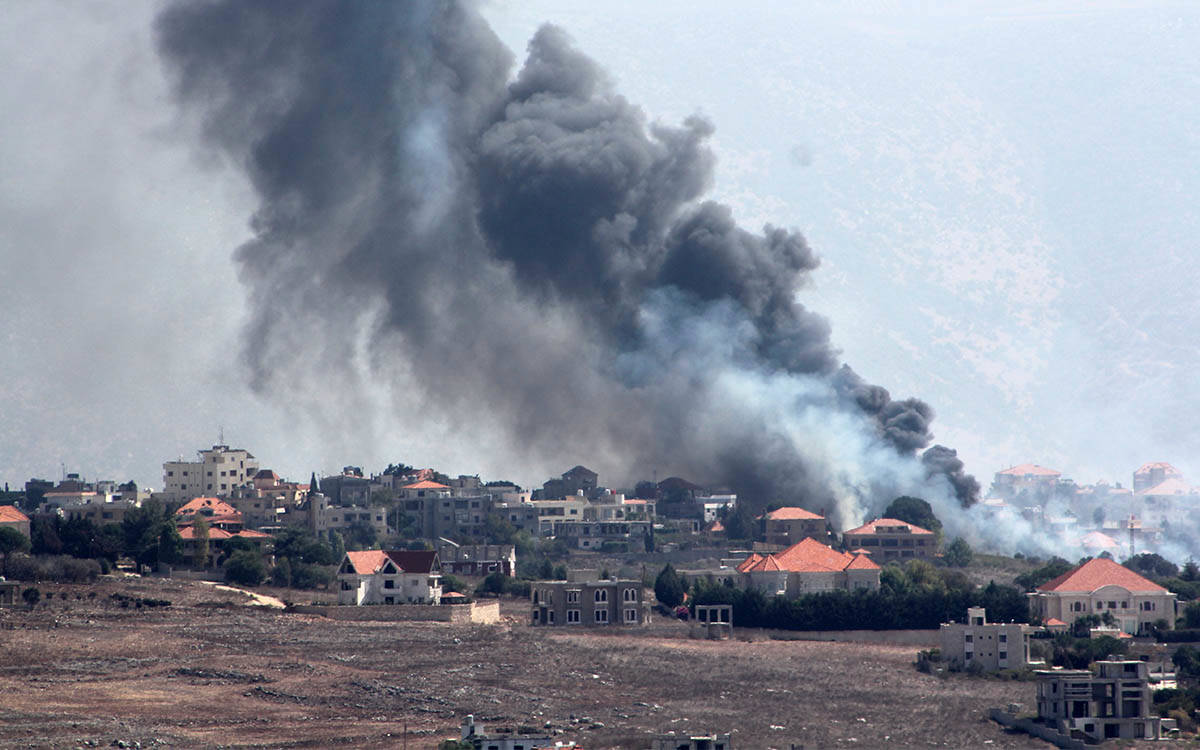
{"x": 526, "y": 259}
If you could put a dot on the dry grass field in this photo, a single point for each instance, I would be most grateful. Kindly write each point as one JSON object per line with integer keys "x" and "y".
{"x": 210, "y": 671}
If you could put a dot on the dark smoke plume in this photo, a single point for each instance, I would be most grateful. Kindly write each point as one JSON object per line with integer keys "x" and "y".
{"x": 523, "y": 259}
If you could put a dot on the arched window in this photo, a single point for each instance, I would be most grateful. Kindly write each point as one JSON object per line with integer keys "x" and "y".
{"x": 601, "y": 595}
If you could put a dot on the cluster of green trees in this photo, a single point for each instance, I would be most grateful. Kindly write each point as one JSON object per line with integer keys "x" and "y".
{"x": 917, "y": 596}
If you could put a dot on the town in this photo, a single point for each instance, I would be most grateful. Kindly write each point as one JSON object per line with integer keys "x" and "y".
{"x": 662, "y": 559}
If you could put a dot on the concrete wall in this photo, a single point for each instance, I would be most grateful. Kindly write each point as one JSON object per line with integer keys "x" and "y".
{"x": 483, "y": 613}
{"x": 1041, "y": 731}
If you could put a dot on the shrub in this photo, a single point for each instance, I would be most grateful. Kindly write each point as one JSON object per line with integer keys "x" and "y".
{"x": 246, "y": 568}
{"x": 31, "y": 596}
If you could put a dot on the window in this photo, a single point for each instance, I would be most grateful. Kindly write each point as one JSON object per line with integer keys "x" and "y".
{"x": 631, "y": 595}
{"x": 346, "y": 586}
{"x": 1003, "y": 654}
{"x": 631, "y": 615}
{"x": 572, "y": 597}
{"x": 969, "y": 637}
{"x": 389, "y": 600}
{"x": 550, "y": 617}
{"x": 602, "y": 615}
{"x": 1003, "y": 638}
{"x": 601, "y": 595}
{"x": 572, "y": 615}
{"x": 171, "y": 473}
{"x": 1112, "y": 605}
{"x": 389, "y": 584}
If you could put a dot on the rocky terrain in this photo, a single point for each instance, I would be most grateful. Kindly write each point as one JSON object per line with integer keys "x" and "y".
{"x": 90, "y": 669}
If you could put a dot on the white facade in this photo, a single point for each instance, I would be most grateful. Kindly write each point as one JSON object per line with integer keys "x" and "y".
{"x": 219, "y": 470}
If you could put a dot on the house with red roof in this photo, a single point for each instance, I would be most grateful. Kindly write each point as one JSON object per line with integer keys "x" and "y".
{"x": 889, "y": 539}
{"x": 808, "y": 567}
{"x": 11, "y": 516}
{"x": 390, "y": 577}
{"x": 1101, "y": 586}
{"x": 786, "y": 526}
{"x": 1031, "y": 479}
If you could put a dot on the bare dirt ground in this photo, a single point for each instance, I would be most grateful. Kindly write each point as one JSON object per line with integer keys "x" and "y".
{"x": 211, "y": 671}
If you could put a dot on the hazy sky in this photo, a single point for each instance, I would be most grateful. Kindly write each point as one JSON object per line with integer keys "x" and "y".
{"x": 1002, "y": 198}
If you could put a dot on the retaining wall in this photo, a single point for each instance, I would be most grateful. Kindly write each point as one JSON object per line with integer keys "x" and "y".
{"x": 1041, "y": 731}
{"x": 483, "y": 613}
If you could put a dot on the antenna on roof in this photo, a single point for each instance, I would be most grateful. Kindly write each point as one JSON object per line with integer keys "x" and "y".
{"x": 221, "y": 434}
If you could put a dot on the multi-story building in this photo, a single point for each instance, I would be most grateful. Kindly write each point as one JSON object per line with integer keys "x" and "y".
{"x": 990, "y": 646}
{"x": 321, "y": 516}
{"x": 1115, "y": 703}
{"x": 1152, "y": 474}
{"x": 786, "y": 526}
{"x": 587, "y": 603}
{"x": 579, "y": 480}
{"x": 477, "y": 559}
{"x": 595, "y": 534}
{"x": 888, "y": 539}
{"x": 390, "y": 577}
{"x": 1102, "y": 586}
{"x": 219, "y": 470}
{"x": 1029, "y": 480}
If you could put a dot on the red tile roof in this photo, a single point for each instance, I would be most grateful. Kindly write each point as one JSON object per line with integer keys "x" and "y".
{"x": 807, "y": 556}
{"x": 749, "y": 562}
{"x": 871, "y": 527}
{"x": 1098, "y": 573}
{"x": 1098, "y": 540}
{"x": 368, "y": 562}
{"x": 1054, "y": 622}
{"x": 12, "y": 514}
{"x": 793, "y": 514}
{"x": 1166, "y": 468}
{"x": 1034, "y": 469}
{"x": 211, "y": 504}
{"x": 188, "y": 533}
{"x": 1169, "y": 486}
{"x": 425, "y": 484}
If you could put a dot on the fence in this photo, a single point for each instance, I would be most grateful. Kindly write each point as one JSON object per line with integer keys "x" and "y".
{"x": 481, "y": 613}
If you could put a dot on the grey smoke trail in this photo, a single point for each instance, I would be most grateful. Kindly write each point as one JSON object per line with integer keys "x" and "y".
{"x": 528, "y": 258}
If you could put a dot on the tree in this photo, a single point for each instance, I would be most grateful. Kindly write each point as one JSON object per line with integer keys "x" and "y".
{"x": 1190, "y": 572}
{"x": 958, "y": 554}
{"x": 916, "y": 511}
{"x": 668, "y": 587}
{"x": 739, "y": 523}
{"x": 200, "y": 542}
{"x": 337, "y": 545}
{"x": 31, "y": 596}
{"x": 1150, "y": 564}
{"x": 11, "y": 541}
{"x": 498, "y": 529}
{"x": 246, "y": 568}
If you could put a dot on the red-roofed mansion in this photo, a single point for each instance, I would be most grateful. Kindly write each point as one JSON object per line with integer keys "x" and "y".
{"x": 1099, "y": 586}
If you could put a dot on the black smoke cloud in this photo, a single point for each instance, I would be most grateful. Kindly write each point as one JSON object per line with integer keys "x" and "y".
{"x": 528, "y": 257}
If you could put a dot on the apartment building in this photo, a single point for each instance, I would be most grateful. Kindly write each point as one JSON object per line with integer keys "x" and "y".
{"x": 592, "y": 603}
{"x": 1114, "y": 703}
{"x": 990, "y": 646}
{"x": 888, "y": 539}
{"x": 219, "y": 470}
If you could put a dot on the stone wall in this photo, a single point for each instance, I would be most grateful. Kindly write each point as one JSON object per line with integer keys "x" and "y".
{"x": 483, "y": 613}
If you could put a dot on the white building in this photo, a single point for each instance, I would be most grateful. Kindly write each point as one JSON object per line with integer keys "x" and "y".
{"x": 990, "y": 645}
{"x": 390, "y": 577}
{"x": 219, "y": 470}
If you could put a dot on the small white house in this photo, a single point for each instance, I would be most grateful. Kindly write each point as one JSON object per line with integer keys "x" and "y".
{"x": 390, "y": 577}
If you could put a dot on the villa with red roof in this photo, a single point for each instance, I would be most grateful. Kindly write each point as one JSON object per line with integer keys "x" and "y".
{"x": 390, "y": 577}
{"x": 786, "y": 526}
{"x": 11, "y": 515}
{"x": 889, "y": 539}
{"x": 1029, "y": 478}
{"x": 808, "y": 567}
{"x": 1102, "y": 586}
